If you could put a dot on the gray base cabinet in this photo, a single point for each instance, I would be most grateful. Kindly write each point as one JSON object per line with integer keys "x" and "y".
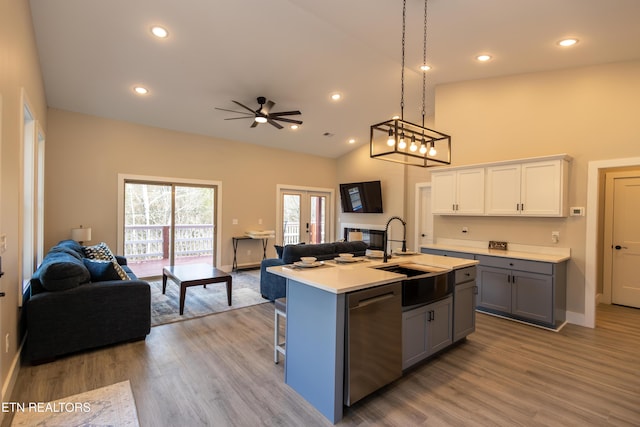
{"x": 531, "y": 291}
{"x": 464, "y": 306}
{"x": 426, "y": 330}
{"x": 527, "y": 290}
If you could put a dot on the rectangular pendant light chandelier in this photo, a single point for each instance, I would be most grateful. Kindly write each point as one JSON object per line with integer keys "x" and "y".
{"x": 400, "y": 141}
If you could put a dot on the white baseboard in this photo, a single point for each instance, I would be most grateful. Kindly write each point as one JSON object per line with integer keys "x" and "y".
{"x": 10, "y": 381}
{"x": 577, "y": 319}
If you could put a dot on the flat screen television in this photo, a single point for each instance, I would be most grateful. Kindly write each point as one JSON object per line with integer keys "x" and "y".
{"x": 361, "y": 197}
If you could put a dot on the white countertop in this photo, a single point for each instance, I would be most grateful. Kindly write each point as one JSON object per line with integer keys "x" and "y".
{"x": 341, "y": 278}
{"x": 527, "y": 253}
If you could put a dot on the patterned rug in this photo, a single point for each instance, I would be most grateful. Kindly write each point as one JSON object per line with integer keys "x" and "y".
{"x": 202, "y": 302}
{"x": 107, "y": 406}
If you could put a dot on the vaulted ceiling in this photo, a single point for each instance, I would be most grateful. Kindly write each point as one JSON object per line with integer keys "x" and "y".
{"x": 299, "y": 52}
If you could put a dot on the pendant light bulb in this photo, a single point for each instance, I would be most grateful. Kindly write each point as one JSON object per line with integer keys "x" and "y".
{"x": 423, "y": 148}
{"x": 413, "y": 147}
{"x": 402, "y": 144}
{"x": 432, "y": 150}
{"x": 392, "y": 140}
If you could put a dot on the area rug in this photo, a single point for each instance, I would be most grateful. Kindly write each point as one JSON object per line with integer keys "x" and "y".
{"x": 203, "y": 302}
{"x": 112, "y": 405}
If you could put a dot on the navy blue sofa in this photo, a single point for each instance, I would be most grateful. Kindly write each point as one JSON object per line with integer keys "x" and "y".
{"x": 273, "y": 287}
{"x": 77, "y": 303}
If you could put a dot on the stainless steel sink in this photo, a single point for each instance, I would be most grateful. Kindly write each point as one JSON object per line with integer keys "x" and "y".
{"x": 414, "y": 270}
{"x": 424, "y": 284}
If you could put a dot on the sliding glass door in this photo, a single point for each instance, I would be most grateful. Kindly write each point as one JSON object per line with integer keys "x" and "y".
{"x": 168, "y": 224}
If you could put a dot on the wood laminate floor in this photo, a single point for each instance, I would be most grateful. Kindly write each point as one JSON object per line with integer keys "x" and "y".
{"x": 218, "y": 371}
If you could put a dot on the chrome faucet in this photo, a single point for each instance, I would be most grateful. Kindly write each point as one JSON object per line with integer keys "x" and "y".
{"x": 386, "y": 238}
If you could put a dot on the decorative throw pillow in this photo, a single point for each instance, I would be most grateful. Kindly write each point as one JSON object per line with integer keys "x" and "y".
{"x": 99, "y": 251}
{"x": 102, "y": 252}
{"x": 101, "y": 270}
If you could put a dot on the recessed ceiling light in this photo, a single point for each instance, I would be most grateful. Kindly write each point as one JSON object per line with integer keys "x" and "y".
{"x": 352, "y": 141}
{"x": 336, "y": 96}
{"x": 159, "y": 32}
{"x": 425, "y": 67}
{"x": 483, "y": 58}
{"x": 294, "y": 127}
{"x": 568, "y": 42}
{"x": 141, "y": 90}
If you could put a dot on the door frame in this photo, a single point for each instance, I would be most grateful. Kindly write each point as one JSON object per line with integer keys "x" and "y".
{"x": 418, "y": 211}
{"x": 593, "y": 214}
{"x": 122, "y": 178}
{"x": 607, "y": 265}
{"x": 329, "y": 231}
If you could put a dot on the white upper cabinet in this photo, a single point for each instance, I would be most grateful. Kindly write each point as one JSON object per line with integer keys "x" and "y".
{"x": 530, "y": 189}
{"x": 526, "y": 187}
{"x": 459, "y": 192}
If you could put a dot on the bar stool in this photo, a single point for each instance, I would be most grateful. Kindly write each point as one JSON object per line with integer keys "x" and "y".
{"x": 280, "y": 311}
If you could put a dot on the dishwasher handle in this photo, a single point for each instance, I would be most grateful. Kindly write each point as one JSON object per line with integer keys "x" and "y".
{"x": 372, "y": 300}
{"x": 360, "y": 299}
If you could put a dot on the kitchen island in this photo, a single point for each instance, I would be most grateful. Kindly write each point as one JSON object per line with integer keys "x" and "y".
{"x": 318, "y": 317}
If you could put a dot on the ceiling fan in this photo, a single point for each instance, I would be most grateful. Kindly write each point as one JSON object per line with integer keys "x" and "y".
{"x": 263, "y": 114}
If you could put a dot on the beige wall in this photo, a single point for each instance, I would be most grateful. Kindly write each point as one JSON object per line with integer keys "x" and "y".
{"x": 19, "y": 68}
{"x": 589, "y": 113}
{"x": 85, "y": 154}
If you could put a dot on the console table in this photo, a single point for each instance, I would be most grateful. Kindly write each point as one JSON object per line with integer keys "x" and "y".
{"x": 237, "y": 239}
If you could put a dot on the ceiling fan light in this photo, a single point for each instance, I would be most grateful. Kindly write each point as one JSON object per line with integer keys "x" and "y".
{"x": 261, "y": 119}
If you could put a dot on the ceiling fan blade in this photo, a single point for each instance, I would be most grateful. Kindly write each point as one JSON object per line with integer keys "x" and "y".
{"x": 236, "y": 118}
{"x": 278, "y": 125}
{"x": 267, "y": 107}
{"x": 280, "y": 119}
{"x": 233, "y": 111}
{"x": 244, "y": 106}
{"x": 254, "y": 124}
{"x": 286, "y": 113}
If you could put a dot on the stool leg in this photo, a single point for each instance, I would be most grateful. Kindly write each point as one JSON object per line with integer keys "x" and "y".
{"x": 276, "y": 330}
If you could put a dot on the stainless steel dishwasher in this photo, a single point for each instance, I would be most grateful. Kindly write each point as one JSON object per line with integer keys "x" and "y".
{"x": 373, "y": 354}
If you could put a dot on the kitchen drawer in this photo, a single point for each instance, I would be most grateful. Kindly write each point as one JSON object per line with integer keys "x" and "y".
{"x": 516, "y": 264}
{"x": 442, "y": 252}
{"x": 465, "y": 274}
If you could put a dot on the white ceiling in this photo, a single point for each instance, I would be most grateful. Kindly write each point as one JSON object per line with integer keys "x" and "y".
{"x": 297, "y": 52}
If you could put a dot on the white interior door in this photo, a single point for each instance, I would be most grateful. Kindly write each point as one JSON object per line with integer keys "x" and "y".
{"x": 625, "y": 281}
{"x": 424, "y": 216}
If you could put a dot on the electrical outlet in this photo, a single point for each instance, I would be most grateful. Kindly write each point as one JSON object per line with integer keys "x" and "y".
{"x": 259, "y": 221}
{"x": 3, "y": 242}
{"x": 235, "y": 221}
{"x": 555, "y": 236}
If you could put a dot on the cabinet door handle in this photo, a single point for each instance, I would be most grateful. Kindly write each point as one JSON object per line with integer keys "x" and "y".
{"x": 508, "y": 278}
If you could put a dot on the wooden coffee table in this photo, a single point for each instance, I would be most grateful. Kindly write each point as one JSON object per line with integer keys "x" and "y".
{"x": 194, "y": 275}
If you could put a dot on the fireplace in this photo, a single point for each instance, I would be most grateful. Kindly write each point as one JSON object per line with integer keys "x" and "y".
{"x": 373, "y": 238}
